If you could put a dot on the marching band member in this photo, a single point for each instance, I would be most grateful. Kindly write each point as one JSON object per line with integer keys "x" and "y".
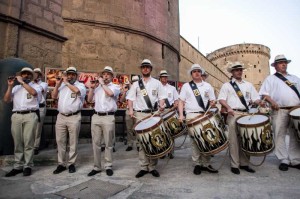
{"x": 281, "y": 102}
{"x": 196, "y": 96}
{"x": 70, "y": 94}
{"x": 145, "y": 93}
{"x": 172, "y": 97}
{"x": 105, "y": 95}
{"x": 25, "y": 98}
{"x": 42, "y": 106}
{"x": 236, "y": 95}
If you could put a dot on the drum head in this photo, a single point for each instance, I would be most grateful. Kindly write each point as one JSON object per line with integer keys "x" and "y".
{"x": 254, "y": 119}
{"x": 295, "y": 112}
{"x": 147, "y": 123}
{"x": 167, "y": 115}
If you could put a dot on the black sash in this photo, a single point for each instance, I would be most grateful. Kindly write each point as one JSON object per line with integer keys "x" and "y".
{"x": 239, "y": 94}
{"x": 168, "y": 105}
{"x": 198, "y": 96}
{"x": 280, "y": 76}
{"x": 145, "y": 94}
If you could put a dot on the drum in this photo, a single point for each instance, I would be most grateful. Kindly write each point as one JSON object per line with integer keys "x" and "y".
{"x": 294, "y": 114}
{"x": 209, "y": 133}
{"x": 174, "y": 127}
{"x": 153, "y": 137}
{"x": 256, "y": 134}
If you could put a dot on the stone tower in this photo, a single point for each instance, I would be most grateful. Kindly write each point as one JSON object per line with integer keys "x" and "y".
{"x": 121, "y": 34}
{"x": 255, "y": 58}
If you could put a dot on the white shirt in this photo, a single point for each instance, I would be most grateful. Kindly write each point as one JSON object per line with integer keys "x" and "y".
{"x": 104, "y": 103}
{"x": 228, "y": 94}
{"x": 23, "y": 101}
{"x": 281, "y": 93}
{"x": 154, "y": 90}
{"x": 69, "y": 102}
{"x": 187, "y": 95}
{"x": 44, "y": 86}
{"x": 171, "y": 92}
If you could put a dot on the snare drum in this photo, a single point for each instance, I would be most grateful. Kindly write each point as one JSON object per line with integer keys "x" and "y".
{"x": 175, "y": 128}
{"x": 153, "y": 137}
{"x": 256, "y": 134}
{"x": 294, "y": 114}
{"x": 209, "y": 133}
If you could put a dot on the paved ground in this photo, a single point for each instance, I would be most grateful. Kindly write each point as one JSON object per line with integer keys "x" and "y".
{"x": 177, "y": 179}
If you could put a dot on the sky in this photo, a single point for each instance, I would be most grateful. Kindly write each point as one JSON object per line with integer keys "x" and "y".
{"x": 221, "y": 23}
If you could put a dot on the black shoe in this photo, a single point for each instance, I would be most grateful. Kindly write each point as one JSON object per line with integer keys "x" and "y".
{"x": 102, "y": 148}
{"x": 283, "y": 167}
{"x": 138, "y": 148}
{"x": 13, "y": 172}
{"x": 141, "y": 173}
{"x": 247, "y": 168}
{"x": 59, "y": 169}
{"x": 36, "y": 152}
{"x": 155, "y": 173}
{"x": 197, "y": 170}
{"x": 129, "y": 148}
{"x": 109, "y": 172}
{"x": 297, "y": 166}
{"x": 235, "y": 170}
{"x": 72, "y": 168}
{"x": 210, "y": 169}
{"x": 171, "y": 156}
{"x": 114, "y": 150}
{"x": 93, "y": 172}
{"x": 27, "y": 172}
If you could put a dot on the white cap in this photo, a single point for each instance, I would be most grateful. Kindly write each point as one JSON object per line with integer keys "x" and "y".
{"x": 163, "y": 73}
{"x": 196, "y": 67}
{"x": 109, "y": 70}
{"x": 146, "y": 62}
{"x": 235, "y": 65}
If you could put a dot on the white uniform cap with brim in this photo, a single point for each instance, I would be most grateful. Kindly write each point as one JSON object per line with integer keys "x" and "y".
{"x": 280, "y": 58}
{"x": 38, "y": 70}
{"x": 196, "y": 67}
{"x": 163, "y": 73}
{"x": 146, "y": 62}
{"x": 135, "y": 78}
{"x": 71, "y": 69}
{"x": 108, "y": 69}
{"x": 235, "y": 65}
{"x": 26, "y": 69}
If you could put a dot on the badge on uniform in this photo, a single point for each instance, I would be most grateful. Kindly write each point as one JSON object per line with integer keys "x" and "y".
{"x": 196, "y": 92}
{"x": 154, "y": 92}
{"x": 73, "y": 95}
{"x": 144, "y": 92}
{"x": 247, "y": 95}
{"x": 206, "y": 94}
{"x": 169, "y": 95}
{"x": 29, "y": 96}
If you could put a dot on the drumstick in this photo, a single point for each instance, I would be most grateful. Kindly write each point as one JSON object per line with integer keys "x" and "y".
{"x": 257, "y": 109}
{"x": 207, "y": 110}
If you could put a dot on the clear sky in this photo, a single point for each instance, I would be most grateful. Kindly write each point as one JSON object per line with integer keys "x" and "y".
{"x": 220, "y": 23}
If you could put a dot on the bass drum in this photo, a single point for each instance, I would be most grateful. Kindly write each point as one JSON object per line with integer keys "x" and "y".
{"x": 153, "y": 137}
{"x": 256, "y": 134}
{"x": 294, "y": 114}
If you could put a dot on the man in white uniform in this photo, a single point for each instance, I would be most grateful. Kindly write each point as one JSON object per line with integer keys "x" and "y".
{"x": 105, "y": 95}
{"x": 70, "y": 94}
{"x": 25, "y": 98}
{"x": 281, "y": 90}
{"x": 188, "y": 100}
{"x": 154, "y": 92}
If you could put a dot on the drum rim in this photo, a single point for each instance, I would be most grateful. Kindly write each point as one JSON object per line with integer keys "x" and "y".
{"x": 252, "y": 125}
{"x": 198, "y": 120}
{"x": 293, "y": 116}
{"x": 149, "y": 128}
{"x": 171, "y": 110}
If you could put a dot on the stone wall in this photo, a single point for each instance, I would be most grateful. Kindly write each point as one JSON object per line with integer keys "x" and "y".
{"x": 255, "y": 58}
{"x": 121, "y": 34}
{"x": 189, "y": 56}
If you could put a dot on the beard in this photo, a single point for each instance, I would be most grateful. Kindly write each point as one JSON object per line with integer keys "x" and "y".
{"x": 146, "y": 75}
{"x": 72, "y": 81}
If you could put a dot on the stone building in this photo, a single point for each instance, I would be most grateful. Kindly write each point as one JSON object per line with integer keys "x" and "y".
{"x": 255, "y": 58}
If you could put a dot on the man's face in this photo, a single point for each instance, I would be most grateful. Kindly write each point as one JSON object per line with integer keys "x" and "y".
{"x": 107, "y": 77}
{"x": 196, "y": 74}
{"x": 146, "y": 70}
{"x": 164, "y": 80}
{"x": 281, "y": 66}
{"x": 71, "y": 77}
{"x": 38, "y": 76}
{"x": 26, "y": 75}
{"x": 237, "y": 73}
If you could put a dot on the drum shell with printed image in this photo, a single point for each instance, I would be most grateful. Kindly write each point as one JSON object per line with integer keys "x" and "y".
{"x": 171, "y": 122}
{"x": 209, "y": 133}
{"x": 152, "y": 135}
{"x": 294, "y": 114}
{"x": 256, "y": 134}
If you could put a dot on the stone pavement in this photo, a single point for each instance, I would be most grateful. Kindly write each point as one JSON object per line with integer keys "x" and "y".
{"x": 177, "y": 179}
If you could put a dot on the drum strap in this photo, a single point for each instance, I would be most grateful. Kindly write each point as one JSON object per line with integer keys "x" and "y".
{"x": 198, "y": 95}
{"x": 291, "y": 85}
{"x": 168, "y": 105}
{"x": 239, "y": 94}
{"x": 145, "y": 94}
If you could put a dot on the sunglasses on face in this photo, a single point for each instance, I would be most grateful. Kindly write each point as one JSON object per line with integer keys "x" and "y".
{"x": 145, "y": 67}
